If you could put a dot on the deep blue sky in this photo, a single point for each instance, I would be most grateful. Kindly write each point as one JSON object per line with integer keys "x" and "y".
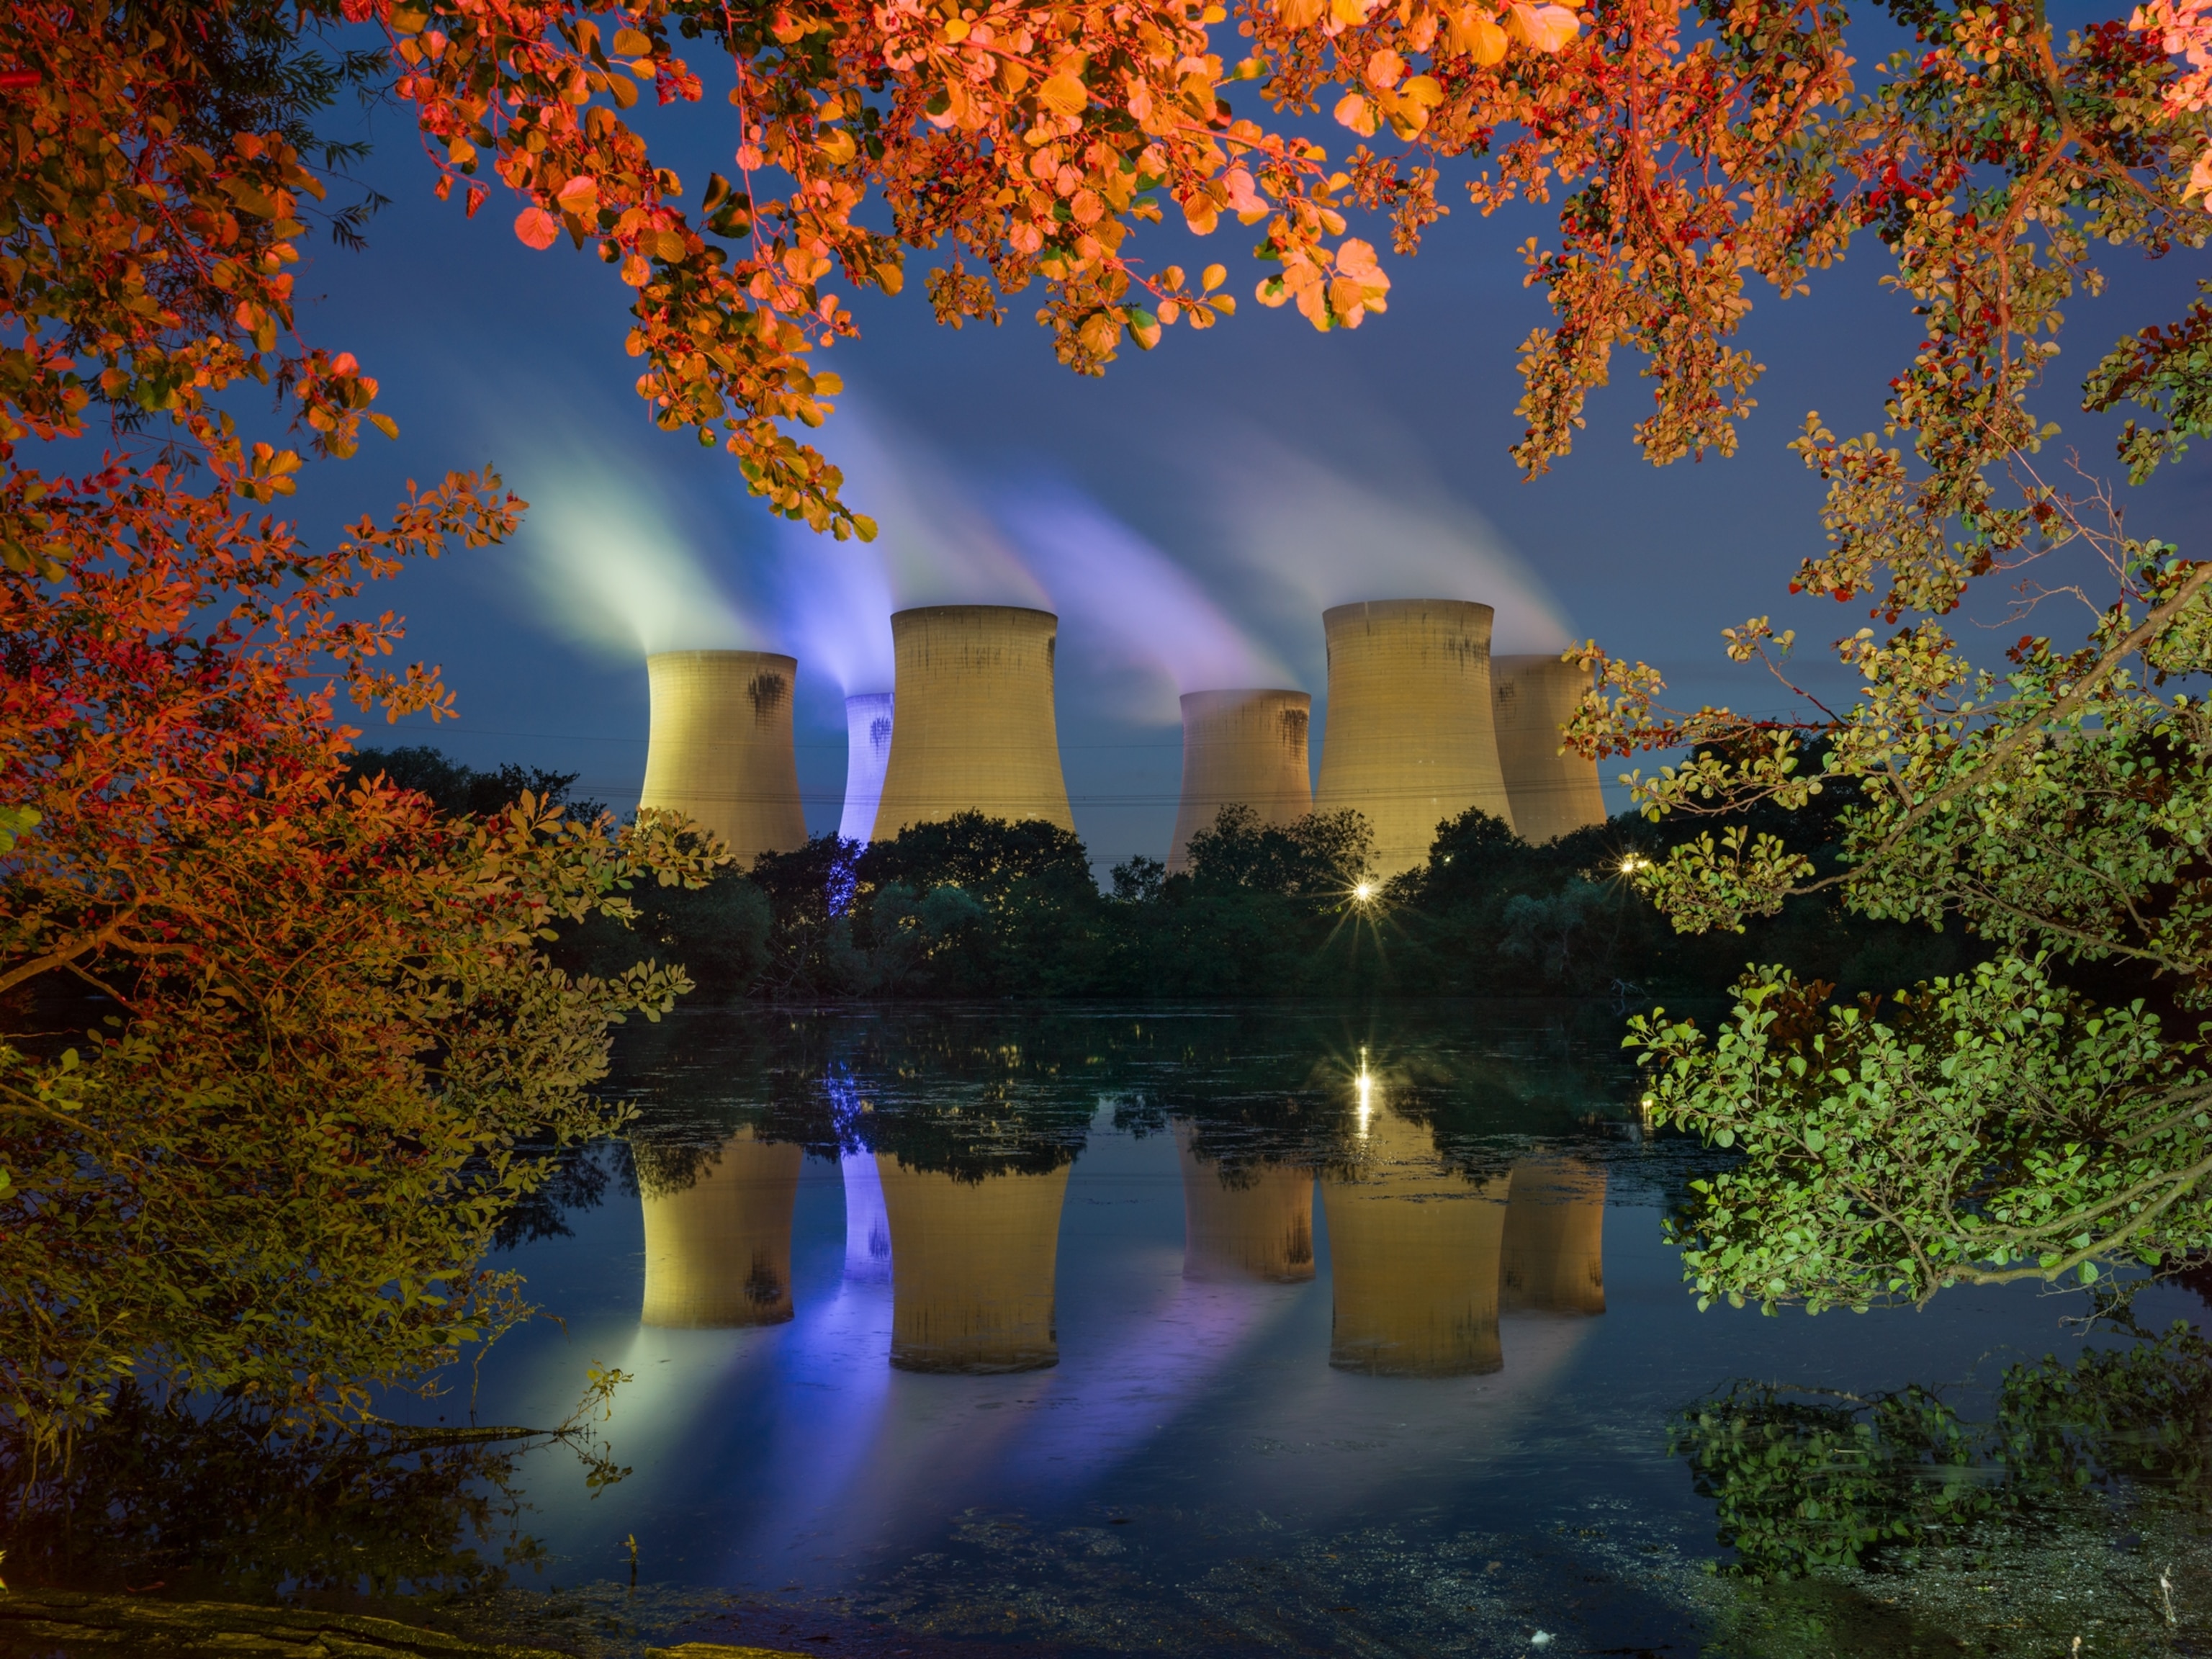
{"x": 1189, "y": 513}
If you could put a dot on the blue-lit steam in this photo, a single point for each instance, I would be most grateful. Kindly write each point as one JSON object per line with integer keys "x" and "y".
{"x": 934, "y": 545}
{"x": 867, "y": 758}
{"x": 1135, "y": 619}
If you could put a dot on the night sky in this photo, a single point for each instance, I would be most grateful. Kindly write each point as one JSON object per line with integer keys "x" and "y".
{"x": 1188, "y": 516}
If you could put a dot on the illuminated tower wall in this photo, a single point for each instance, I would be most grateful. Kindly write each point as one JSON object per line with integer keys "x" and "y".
{"x": 1552, "y": 793}
{"x": 1555, "y": 1237}
{"x": 720, "y": 749}
{"x": 718, "y": 1247}
{"x": 974, "y": 731}
{"x": 1253, "y": 1223}
{"x": 867, "y": 1227}
{"x": 867, "y": 752}
{"x": 972, "y": 1269}
{"x": 1245, "y": 748}
{"x": 1413, "y": 1251}
{"x": 1409, "y": 740}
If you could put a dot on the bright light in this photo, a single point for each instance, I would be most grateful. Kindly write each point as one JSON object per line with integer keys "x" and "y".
{"x": 1633, "y": 862}
{"x": 1365, "y": 1085}
{"x": 1363, "y": 891}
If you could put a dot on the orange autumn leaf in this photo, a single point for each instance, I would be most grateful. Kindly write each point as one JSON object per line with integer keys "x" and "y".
{"x": 1542, "y": 28}
{"x": 1064, "y": 94}
{"x": 536, "y": 228}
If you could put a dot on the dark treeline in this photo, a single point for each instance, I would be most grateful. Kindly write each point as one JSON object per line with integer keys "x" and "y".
{"x": 974, "y": 907}
{"x": 455, "y": 787}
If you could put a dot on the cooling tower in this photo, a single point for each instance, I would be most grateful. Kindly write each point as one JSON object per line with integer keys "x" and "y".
{"x": 718, "y": 1247}
{"x": 721, "y": 751}
{"x": 867, "y": 752}
{"x": 1555, "y": 1237}
{"x": 1245, "y": 1224}
{"x": 1552, "y": 793}
{"x": 974, "y": 731}
{"x": 1413, "y": 1250}
{"x": 867, "y": 1227}
{"x": 1409, "y": 741}
{"x": 972, "y": 1266}
{"x": 1241, "y": 748}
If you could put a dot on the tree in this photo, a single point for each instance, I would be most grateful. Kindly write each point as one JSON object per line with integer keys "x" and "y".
{"x": 1033, "y": 140}
{"x": 1998, "y": 1125}
{"x": 1806, "y": 1481}
{"x": 156, "y": 186}
{"x": 454, "y": 787}
{"x": 325, "y": 1041}
{"x": 2058, "y": 807}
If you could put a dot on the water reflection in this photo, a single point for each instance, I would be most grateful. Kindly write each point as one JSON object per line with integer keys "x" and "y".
{"x": 1252, "y": 1222}
{"x": 868, "y": 1222}
{"x": 1327, "y": 1380}
{"x": 972, "y": 1269}
{"x": 1554, "y": 1247}
{"x": 718, "y": 1232}
{"x": 1428, "y": 1247}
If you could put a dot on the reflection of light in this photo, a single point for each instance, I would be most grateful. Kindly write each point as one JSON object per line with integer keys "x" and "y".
{"x": 1366, "y": 1084}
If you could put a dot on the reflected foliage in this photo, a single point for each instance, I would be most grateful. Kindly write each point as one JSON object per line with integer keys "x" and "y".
{"x": 219, "y": 1506}
{"x": 1808, "y": 1482}
{"x": 977, "y": 1091}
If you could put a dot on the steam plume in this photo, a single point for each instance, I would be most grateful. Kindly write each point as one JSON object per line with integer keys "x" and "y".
{"x": 1127, "y": 609}
{"x": 933, "y": 546}
{"x": 1311, "y": 536}
{"x": 611, "y": 571}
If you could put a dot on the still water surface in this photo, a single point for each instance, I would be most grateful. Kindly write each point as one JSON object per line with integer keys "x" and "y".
{"x": 1222, "y": 1330}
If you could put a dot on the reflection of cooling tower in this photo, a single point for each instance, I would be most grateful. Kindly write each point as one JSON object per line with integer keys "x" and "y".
{"x": 1260, "y": 1228}
{"x": 867, "y": 1228}
{"x": 718, "y": 1251}
{"x": 867, "y": 752}
{"x": 1552, "y": 793}
{"x": 721, "y": 746}
{"x": 1241, "y": 748}
{"x": 1409, "y": 740}
{"x": 1413, "y": 1249}
{"x": 1555, "y": 1236}
{"x": 975, "y": 731}
{"x": 972, "y": 1269}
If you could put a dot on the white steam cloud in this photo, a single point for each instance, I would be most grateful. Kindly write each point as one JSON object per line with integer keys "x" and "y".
{"x": 1130, "y": 616}
{"x": 1309, "y": 537}
{"x": 609, "y": 570}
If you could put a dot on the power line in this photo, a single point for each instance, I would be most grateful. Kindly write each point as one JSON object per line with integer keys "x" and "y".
{"x": 839, "y": 748}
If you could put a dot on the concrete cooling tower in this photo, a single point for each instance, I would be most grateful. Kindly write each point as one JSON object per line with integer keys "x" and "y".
{"x": 972, "y": 1269}
{"x": 718, "y": 1235}
{"x": 1409, "y": 741}
{"x": 1553, "y": 794}
{"x": 1554, "y": 1247}
{"x": 1413, "y": 1249}
{"x": 721, "y": 748}
{"x": 1241, "y": 748}
{"x": 867, "y": 752}
{"x": 867, "y": 1226}
{"x": 1245, "y": 1224}
{"x": 974, "y": 731}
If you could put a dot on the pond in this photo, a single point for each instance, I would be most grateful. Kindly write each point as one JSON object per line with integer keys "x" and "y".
{"x": 1224, "y": 1330}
